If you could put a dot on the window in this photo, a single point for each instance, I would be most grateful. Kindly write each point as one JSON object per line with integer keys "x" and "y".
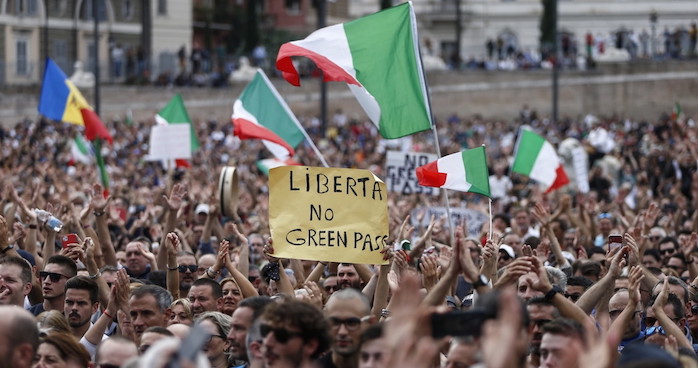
{"x": 88, "y": 11}
{"x": 60, "y": 51}
{"x": 21, "y": 57}
{"x": 293, "y": 6}
{"x": 162, "y": 7}
{"x": 32, "y": 7}
{"x": 127, "y": 9}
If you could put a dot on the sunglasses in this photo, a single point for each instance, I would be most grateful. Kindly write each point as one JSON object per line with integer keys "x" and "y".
{"x": 574, "y": 297}
{"x": 654, "y": 330}
{"x": 281, "y": 335}
{"x": 107, "y": 365}
{"x": 53, "y": 276}
{"x": 655, "y": 238}
{"x": 605, "y": 215}
{"x": 538, "y": 322}
{"x": 351, "y": 323}
{"x": 329, "y": 288}
{"x": 694, "y": 310}
{"x": 191, "y": 268}
{"x": 667, "y": 251}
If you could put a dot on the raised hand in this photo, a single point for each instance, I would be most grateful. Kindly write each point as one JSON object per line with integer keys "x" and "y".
{"x": 176, "y": 198}
{"x": 98, "y": 202}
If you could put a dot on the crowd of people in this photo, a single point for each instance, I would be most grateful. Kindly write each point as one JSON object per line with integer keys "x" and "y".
{"x": 149, "y": 273}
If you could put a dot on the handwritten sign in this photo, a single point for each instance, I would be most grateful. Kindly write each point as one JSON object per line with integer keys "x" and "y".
{"x": 169, "y": 142}
{"x": 328, "y": 214}
{"x": 472, "y": 219}
{"x": 400, "y": 172}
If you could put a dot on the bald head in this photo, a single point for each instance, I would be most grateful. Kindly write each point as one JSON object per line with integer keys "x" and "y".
{"x": 179, "y": 330}
{"x": 349, "y": 295}
{"x": 19, "y": 336}
{"x": 115, "y": 351}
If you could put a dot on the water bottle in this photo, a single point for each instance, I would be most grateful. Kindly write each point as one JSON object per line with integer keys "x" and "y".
{"x": 49, "y": 220}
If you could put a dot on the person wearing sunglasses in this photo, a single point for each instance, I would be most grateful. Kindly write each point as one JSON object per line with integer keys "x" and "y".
{"x": 188, "y": 272}
{"x": 672, "y": 308}
{"x": 294, "y": 334}
{"x": 345, "y": 310}
{"x": 57, "y": 271}
{"x": 668, "y": 246}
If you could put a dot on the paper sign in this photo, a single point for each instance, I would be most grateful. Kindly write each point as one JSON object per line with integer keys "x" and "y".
{"x": 473, "y": 219}
{"x": 328, "y": 214}
{"x": 170, "y": 141}
{"x": 400, "y": 172}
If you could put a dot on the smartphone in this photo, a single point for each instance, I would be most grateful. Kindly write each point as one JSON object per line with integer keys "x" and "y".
{"x": 615, "y": 241}
{"x": 68, "y": 239}
{"x": 459, "y": 323}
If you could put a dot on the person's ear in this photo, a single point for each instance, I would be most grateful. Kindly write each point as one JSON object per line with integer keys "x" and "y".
{"x": 22, "y": 356}
{"x": 95, "y": 307}
{"x": 27, "y": 288}
{"x": 167, "y": 315}
{"x": 310, "y": 347}
{"x": 219, "y": 303}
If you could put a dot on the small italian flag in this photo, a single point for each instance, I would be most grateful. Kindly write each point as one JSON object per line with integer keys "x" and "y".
{"x": 536, "y": 158}
{"x": 269, "y": 163}
{"x": 677, "y": 113}
{"x": 378, "y": 57}
{"x": 261, "y": 113}
{"x": 464, "y": 171}
{"x": 175, "y": 113}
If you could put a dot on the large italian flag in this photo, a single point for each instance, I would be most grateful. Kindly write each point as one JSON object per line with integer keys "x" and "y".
{"x": 536, "y": 158}
{"x": 378, "y": 57}
{"x": 464, "y": 171}
{"x": 261, "y": 113}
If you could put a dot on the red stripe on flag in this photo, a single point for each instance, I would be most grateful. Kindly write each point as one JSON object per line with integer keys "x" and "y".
{"x": 245, "y": 129}
{"x": 181, "y": 162}
{"x": 332, "y": 72}
{"x": 94, "y": 128}
{"x": 429, "y": 175}
{"x": 561, "y": 179}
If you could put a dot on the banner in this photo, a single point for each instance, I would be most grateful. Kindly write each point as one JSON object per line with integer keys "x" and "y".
{"x": 170, "y": 141}
{"x": 400, "y": 172}
{"x": 473, "y": 219}
{"x": 328, "y": 214}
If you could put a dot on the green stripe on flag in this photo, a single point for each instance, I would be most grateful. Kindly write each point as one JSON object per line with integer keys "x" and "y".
{"x": 175, "y": 113}
{"x": 530, "y": 145}
{"x": 476, "y": 172}
{"x": 392, "y": 77}
{"x": 103, "y": 175}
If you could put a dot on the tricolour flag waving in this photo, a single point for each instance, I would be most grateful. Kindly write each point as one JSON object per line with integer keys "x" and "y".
{"x": 60, "y": 100}
{"x": 261, "y": 113}
{"x": 464, "y": 171}
{"x": 536, "y": 158}
{"x": 378, "y": 57}
{"x": 175, "y": 113}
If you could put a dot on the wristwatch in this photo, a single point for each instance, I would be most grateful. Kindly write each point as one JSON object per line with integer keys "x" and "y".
{"x": 551, "y": 294}
{"x": 481, "y": 280}
{"x": 4, "y": 250}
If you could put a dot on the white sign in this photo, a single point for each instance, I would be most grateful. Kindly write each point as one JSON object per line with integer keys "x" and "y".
{"x": 472, "y": 219}
{"x": 400, "y": 172}
{"x": 171, "y": 141}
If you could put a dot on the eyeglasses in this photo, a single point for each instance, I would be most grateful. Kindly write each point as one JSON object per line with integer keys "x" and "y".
{"x": 667, "y": 251}
{"x": 653, "y": 330}
{"x": 655, "y": 237}
{"x": 351, "y": 323}
{"x": 574, "y": 297}
{"x": 281, "y": 335}
{"x": 53, "y": 276}
{"x": 219, "y": 336}
{"x": 605, "y": 215}
{"x": 538, "y": 322}
{"x": 329, "y": 288}
{"x": 191, "y": 268}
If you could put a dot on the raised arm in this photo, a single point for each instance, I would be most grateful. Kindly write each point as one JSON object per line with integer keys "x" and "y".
{"x": 174, "y": 203}
{"x": 171, "y": 246}
{"x": 99, "y": 206}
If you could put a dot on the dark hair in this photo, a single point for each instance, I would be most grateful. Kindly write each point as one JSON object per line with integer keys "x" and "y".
{"x": 579, "y": 281}
{"x": 679, "y": 256}
{"x": 565, "y": 327}
{"x": 373, "y": 332}
{"x": 654, "y": 253}
{"x": 158, "y": 278}
{"x": 216, "y": 288}
{"x": 504, "y": 218}
{"x": 308, "y": 318}
{"x": 64, "y": 261}
{"x": 673, "y": 280}
{"x": 26, "y": 273}
{"x": 68, "y": 347}
{"x": 256, "y": 303}
{"x": 84, "y": 283}
{"x": 159, "y": 330}
{"x": 541, "y": 301}
{"x": 163, "y": 298}
{"x": 669, "y": 239}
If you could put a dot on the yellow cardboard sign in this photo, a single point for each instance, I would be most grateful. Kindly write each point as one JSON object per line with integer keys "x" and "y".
{"x": 328, "y": 214}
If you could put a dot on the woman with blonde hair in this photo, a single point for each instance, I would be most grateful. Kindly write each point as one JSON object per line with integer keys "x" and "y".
{"x": 52, "y": 321}
{"x": 60, "y": 350}
{"x": 181, "y": 312}
{"x": 217, "y": 325}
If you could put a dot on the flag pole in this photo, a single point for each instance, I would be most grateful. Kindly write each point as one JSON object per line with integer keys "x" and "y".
{"x": 490, "y": 206}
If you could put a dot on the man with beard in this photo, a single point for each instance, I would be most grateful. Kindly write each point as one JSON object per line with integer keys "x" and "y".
{"x": 346, "y": 311}
{"x": 188, "y": 272}
{"x": 204, "y": 295}
{"x": 246, "y": 313}
{"x": 81, "y": 302}
{"x": 294, "y": 334}
{"x": 348, "y": 277}
{"x": 540, "y": 312}
{"x": 15, "y": 280}
{"x": 56, "y": 273}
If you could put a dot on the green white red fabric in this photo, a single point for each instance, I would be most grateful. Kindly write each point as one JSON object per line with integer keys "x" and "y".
{"x": 269, "y": 163}
{"x": 378, "y": 57}
{"x": 80, "y": 150}
{"x": 464, "y": 171}
{"x": 536, "y": 158}
{"x": 175, "y": 113}
{"x": 261, "y": 113}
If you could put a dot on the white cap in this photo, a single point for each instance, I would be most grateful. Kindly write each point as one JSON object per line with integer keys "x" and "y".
{"x": 201, "y": 208}
{"x": 508, "y": 249}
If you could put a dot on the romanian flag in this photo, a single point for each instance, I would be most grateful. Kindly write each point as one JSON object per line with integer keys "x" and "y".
{"x": 61, "y": 101}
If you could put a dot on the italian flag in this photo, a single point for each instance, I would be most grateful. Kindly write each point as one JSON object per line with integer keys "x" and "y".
{"x": 261, "y": 113}
{"x": 464, "y": 171}
{"x": 175, "y": 113}
{"x": 269, "y": 163}
{"x": 378, "y": 57}
{"x": 536, "y": 158}
{"x": 80, "y": 150}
